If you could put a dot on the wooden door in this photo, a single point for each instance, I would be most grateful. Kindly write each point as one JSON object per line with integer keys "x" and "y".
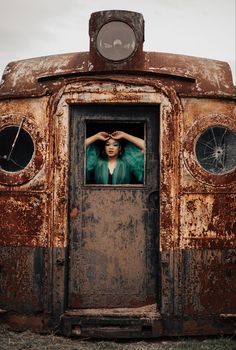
{"x": 114, "y": 229}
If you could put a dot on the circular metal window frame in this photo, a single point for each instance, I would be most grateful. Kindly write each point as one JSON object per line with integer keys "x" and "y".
{"x": 15, "y": 178}
{"x": 213, "y": 151}
{"x": 16, "y": 148}
{"x": 189, "y": 150}
{"x": 102, "y": 28}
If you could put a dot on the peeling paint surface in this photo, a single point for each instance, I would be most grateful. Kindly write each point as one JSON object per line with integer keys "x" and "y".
{"x": 209, "y": 278}
{"x": 22, "y": 222}
{"x": 208, "y": 221}
{"x": 194, "y": 266}
{"x": 99, "y": 273}
{"x": 188, "y": 75}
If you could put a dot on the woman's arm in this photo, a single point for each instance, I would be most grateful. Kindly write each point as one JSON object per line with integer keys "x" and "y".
{"x": 133, "y": 139}
{"x": 103, "y": 136}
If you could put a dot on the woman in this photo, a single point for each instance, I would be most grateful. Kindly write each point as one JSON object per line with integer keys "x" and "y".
{"x": 116, "y": 164}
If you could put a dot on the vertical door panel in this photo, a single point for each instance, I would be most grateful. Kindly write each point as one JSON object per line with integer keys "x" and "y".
{"x": 114, "y": 235}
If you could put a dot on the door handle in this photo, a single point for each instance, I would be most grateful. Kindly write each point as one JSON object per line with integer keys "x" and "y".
{"x": 153, "y": 199}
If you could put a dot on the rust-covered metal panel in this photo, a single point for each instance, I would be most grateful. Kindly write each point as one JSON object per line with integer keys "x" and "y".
{"x": 186, "y": 74}
{"x": 22, "y": 222}
{"x": 209, "y": 282}
{"x": 26, "y": 216}
{"x": 208, "y": 221}
{"x": 197, "y": 211}
{"x": 101, "y": 271}
{"x": 104, "y": 92}
{"x": 22, "y": 279}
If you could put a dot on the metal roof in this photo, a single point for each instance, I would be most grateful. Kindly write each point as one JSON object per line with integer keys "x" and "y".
{"x": 188, "y": 75}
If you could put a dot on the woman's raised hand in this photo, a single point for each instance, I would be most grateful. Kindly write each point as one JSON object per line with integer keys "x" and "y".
{"x": 117, "y": 135}
{"x": 124, "y": 135}
{"x": 103, "y": 136}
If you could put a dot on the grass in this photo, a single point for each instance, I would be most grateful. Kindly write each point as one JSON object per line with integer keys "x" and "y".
{"x": 31, "y": 341}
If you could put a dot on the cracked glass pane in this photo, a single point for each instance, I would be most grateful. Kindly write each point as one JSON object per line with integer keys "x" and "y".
{"x": 216, "y": 150}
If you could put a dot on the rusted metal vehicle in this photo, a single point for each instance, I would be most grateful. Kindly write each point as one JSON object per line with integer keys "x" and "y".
{"x": 144, "y": 258}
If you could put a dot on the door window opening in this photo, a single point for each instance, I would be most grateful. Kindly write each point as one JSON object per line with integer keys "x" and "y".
{"x": 115, "y": 153}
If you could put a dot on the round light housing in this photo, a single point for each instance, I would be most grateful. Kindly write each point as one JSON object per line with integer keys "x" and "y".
{"x": 116, "y": 41}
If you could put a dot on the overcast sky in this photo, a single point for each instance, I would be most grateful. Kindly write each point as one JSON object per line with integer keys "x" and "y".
{"x": 202, "y": 28}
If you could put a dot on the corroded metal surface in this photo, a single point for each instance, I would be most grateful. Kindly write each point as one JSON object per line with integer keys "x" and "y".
{"x": 133, "y": 20}
{"x": 45, "y": 270}
{"x": 208, "y": 221}
{"x": 22, "y": 279}
{"x": 101, "y": 270}
{"x": 29, "y": 208}
{"x": 22, "y": 221}
{"x": 209, "y": 277}
{"x": 187, "y": 75}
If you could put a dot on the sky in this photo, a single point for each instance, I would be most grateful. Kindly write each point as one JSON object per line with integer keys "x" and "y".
{"x": 201, "y": 28}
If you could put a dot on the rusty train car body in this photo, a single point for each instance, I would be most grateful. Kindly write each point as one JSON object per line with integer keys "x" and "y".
{"x": 136, "y": 260}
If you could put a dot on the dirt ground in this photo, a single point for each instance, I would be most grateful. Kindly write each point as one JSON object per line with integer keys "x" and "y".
{"x": 31, "y": 341}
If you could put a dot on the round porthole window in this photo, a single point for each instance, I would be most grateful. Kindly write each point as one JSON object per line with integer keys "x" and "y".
{"x": 16, "y": 148}
{"x": 216, "y": 150}
{"x": 21, "y": 149}
{"x": 209, "y": 150}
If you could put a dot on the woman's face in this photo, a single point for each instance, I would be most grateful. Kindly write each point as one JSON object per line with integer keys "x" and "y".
{"x": 112, "y": 148}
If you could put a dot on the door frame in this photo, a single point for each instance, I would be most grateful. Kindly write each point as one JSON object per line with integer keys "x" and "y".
{"x": 111, "y": 92}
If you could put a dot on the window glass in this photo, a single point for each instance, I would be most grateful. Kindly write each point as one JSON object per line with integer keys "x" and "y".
{"x": 16, "y": 148}
{"x": 116, "y": 41}
{"x": 216, "y": 150}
